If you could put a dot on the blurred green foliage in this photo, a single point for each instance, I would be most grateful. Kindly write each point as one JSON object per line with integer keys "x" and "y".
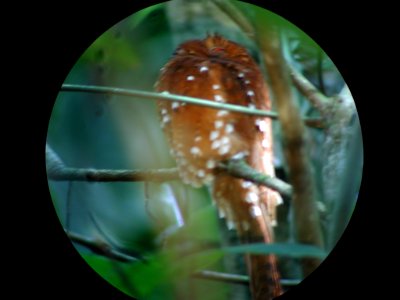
{"x": 104, "y": 131}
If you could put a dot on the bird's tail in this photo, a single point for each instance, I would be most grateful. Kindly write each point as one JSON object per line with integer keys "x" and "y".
{"x": 244, "y": 206}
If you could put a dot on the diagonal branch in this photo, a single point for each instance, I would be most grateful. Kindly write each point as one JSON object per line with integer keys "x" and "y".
{"x": 100, "y": 247}
{"x": 305, "y": 87}
{"x": 239, "y": 169}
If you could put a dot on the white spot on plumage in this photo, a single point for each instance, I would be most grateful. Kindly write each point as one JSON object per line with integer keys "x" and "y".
{"x": 218, "y": 124}
{"x": 190, "y": 78}
{"x": 214, "y": 135}
{"x": 218, "y": 98}
{"x": 241, "y": 75}
{"x": 210, "y": 164}
{"x": 250, "y": 93}
{"x": 164, "y": 111}
{"x": 222, "y": 113}
{"x": 247, "y": 81}
{"x": 221, "y": 213}
{"x": 224, "y": 149}
{"x": 225, "y": 140}
{"x": 262, "y": 125}
{"x": 166, "y": 119}
{"x": 240, "y": 155}
{"x": 255, "y": 211}
{"x": 203, "y": 69}
{"x": 195, "y": 150}
{"x": 251, "y": 197}
{"x": 216, "y": 86}
{"x": 230, "y": 225}
{"x": 215, "y": 144}
{"x": 197, "y": 139}
{"x": 246, "y": 184}
{"x": 265, "y": 143}
{"x": 229, "y": 128}
{"x": 175, "y": 105}
{"x": 201, "y": 173}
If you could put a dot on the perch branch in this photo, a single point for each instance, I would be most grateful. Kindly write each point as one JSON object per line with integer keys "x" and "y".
{"x": 294, "y": 137}
{"x": 178, "y": 98}
{"x": 239, "y": 169}
{"x": 56, "y": 170}
{"x": 167, "y": 97}
{"x": 100, "y": 247}
{"x": 308, "y": 90}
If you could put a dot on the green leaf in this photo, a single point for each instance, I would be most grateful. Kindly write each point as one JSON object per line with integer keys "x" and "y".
{"x": 202, "y": 226}
{"x": 107, "y": 269}
{"x": 111, "y": 52}
{"x": 146, "y": 277}
{"x": 141, "y": 15}
{"x": 289, "y": 250}
{"x": 195, "y": 262}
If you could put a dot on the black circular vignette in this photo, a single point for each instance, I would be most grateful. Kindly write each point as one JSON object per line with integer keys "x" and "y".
{"x": 64, "y": 31}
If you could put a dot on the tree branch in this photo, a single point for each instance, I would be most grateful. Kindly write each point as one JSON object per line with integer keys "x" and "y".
{"x": 166, "y": 97}
{"x": 100, "y": 247}
{"x": 239, "y": 169}
{"x": 305, "y": 87}
{"x": 56, "y": 170}
{"x": 175, "y": 98}
{"x": 294, "y": 137}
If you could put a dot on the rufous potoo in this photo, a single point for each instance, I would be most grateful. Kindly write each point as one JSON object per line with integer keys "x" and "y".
{"x": 220, "y": 70}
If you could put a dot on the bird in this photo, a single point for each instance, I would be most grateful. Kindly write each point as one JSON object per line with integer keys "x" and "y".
{"x": 220, "y": 70}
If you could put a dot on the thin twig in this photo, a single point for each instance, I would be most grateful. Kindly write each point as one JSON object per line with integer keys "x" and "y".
{"x": 177, "y": 98}
{"x": 235, "y": 278}
{"x": 100, "y": 247}
{"x": 167, "y": 97}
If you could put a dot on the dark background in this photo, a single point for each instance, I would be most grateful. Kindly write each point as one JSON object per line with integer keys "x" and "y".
{"x": 55, "y": 34}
